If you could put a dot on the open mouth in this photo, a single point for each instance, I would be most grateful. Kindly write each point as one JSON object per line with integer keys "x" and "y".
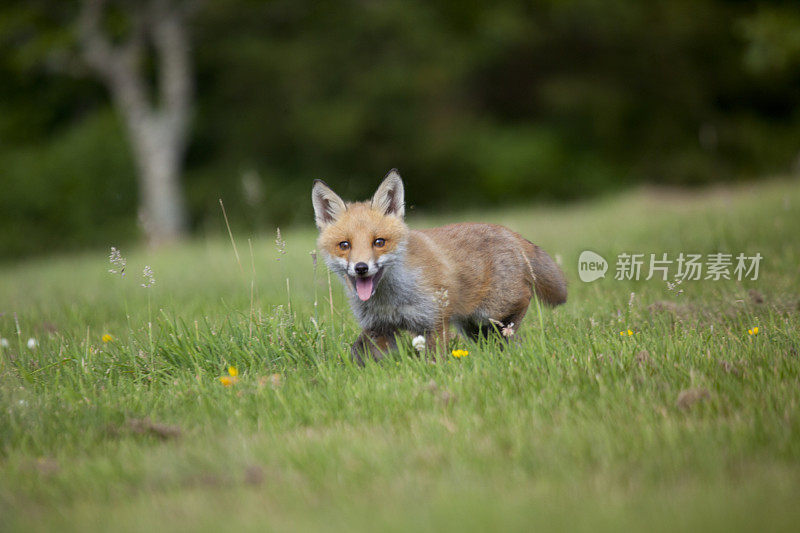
{"x": 365, "y": 286}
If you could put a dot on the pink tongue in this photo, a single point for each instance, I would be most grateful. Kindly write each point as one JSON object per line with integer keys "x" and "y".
{"x": 364, "y": 288}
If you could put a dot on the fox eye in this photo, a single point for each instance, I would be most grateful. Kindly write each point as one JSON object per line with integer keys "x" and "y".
{"x": 379, "y": 243}
{"x": 344, "y": 245}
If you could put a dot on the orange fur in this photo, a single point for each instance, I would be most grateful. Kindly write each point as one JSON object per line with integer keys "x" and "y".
{"x": 361, "y": 225}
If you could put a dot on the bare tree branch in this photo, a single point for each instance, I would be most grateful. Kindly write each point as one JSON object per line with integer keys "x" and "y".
{"x": 117, "y": 64}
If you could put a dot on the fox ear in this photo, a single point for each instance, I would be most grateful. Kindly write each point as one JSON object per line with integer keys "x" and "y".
{"x": 328, "y": 206}
{"x": 390, "y": 196}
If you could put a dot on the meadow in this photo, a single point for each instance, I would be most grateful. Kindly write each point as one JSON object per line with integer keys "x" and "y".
{"x": 637, "y": 405}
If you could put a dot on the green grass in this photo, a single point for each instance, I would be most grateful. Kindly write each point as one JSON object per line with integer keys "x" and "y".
{"x": 584, "y": 434}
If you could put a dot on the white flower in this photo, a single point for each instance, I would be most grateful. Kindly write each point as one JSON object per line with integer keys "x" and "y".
{"x": 147, "y": 276}
{"x": 4, "y": 343}
{"x": 418, "y": 343}
{"x": 32, "y": 343}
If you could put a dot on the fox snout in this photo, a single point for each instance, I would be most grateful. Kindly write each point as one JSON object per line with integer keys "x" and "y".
{"x": 365, "y": 280}
{"x": 361, "y": 269}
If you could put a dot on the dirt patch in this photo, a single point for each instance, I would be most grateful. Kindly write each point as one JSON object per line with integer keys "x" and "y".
{"x": 145, "y": 426}
{"x": 689, "y": 397}
{"x": 755, "y": 296}
{"x": 254, "y": 475}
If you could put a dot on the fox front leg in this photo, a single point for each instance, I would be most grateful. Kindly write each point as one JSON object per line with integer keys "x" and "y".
{"x": 370, "y": 344}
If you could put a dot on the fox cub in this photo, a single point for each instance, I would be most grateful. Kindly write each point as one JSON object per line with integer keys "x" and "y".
{"x": 478, "y": 277}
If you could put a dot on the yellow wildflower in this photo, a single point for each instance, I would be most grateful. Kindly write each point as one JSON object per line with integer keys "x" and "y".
{"x": 107, "y": 337}
{"x": 628, "y": 333}
{"x": 231, "y": 378}
{"x": 460, "y": 353}
{"x": 753, "y": 331}
{"x": 228, "y": 380}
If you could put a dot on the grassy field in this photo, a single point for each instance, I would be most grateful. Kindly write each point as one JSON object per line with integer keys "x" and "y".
{"x": 690, "y": 422}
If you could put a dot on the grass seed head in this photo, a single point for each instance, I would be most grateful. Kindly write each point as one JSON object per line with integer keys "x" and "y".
{"x": 280, "y": 244}
{"x": 118, "y": 262}
{"x": 148, "y": 277}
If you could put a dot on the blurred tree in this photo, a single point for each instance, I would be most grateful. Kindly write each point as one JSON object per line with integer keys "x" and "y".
{"x": 512, "y": 100}
{"x": 158, "y": 126}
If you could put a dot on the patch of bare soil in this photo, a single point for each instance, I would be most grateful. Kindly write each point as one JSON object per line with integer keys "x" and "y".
{"x": 145, "y": 426}
{"x": 689, "y": 397}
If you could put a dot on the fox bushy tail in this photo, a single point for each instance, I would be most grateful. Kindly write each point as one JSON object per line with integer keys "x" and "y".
{"x": 547, "y": 278}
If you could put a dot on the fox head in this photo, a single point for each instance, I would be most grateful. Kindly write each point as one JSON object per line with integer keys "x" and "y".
{"x": 361, "y": 240}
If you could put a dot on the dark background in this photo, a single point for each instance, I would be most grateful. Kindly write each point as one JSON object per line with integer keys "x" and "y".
{"x": 476, "y": 103}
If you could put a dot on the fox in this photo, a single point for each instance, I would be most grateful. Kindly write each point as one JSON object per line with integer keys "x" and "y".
{"x": 478, "y": 278}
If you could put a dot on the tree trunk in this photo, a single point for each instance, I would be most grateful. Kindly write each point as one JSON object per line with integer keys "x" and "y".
{"x": 157, "y": 130}
{"x": 162, "y": 213}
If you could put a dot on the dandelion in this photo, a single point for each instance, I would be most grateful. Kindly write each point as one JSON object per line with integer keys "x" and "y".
{"x": 624, "y": 333}
{"x": 117, "y": 262}
{"x": 32, "y": 343}
{"x": 280, "y": 244}
{"x": 4, "y": 343}
{"x": 753, "y": 331}
{"x": 418, "y": 343}
{"x": 227, "y": 380}
{"x": 231, "y": 378}
{"x": 459, "y": 353}
{"x": 107, "y": 338}
{"x": 147, "y": 276}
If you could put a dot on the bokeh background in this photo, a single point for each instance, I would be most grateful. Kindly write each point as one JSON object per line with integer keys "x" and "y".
{"x": 477, "y": 103}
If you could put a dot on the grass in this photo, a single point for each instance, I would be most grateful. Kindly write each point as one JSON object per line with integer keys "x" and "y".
{"x": 573, "y": 427}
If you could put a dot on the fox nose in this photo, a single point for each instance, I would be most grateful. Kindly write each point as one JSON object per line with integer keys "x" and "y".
{"x": 361, "y": 268}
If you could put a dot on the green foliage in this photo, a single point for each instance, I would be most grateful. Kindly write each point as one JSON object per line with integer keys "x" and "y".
{"x": 774, "y": 39}
{"x": 76, "y": 189}
{"x": 689, "y": 423}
